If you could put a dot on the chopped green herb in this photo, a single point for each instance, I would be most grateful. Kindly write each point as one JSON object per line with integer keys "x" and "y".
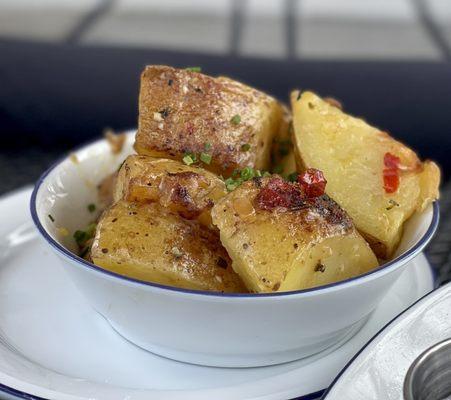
{"x": 293, "y": 177}
{"x": 247, "y": 173}
{"x": 51, "y": 218}
{"x": 207, "y": 146}
{"x": 266, "y": 173}
{"x": 258, "y": 173}
{"x": 278, "y": 169}
{"x": 81, "y": 237}
{"x": 91, "y": 207}
{"x": 194, "y": 69}
{"x": 245, "y": 147}
{"x": 230, "y": 184}
{"x": 189, "y": 158}
{"x": 236, "y": 119}
{"x": 205, "y": 158}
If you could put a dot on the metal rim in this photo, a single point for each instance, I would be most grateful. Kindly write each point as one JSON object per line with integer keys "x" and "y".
{"x": 408, "y": 380}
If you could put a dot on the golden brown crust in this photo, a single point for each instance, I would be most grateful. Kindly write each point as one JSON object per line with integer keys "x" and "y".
{"x": 180, "y": 111}
{"x": 148, "y": 242}
{"x": 188, "y": 190}
{"x": 278, "y": 248}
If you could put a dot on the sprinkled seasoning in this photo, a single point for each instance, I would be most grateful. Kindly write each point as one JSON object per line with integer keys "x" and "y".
{"x": 194, "y": 69}
{"x": 245, "y": 147}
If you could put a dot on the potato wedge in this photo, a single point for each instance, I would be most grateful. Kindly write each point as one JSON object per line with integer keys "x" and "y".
{"x": 147, "y": 242}
{"x": 283, "y": 160}
{"x": 182, "y": 111}
{"x": 351, "y": 155}
{"x": 310, "y": 244}
{"x": 189, "y": 191}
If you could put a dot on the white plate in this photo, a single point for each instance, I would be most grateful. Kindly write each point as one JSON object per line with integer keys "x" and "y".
{"x": 54, "y": 346}
{"x": 379, "y": 370}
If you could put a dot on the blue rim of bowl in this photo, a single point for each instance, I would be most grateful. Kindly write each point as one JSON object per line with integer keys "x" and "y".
{"x": 386, "y": 326}
{"x": 82, "y": 262}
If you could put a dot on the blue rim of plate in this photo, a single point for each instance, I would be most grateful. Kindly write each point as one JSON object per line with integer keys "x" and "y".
{"x": 86, "y": 264}
{"x": 337, "y": 378}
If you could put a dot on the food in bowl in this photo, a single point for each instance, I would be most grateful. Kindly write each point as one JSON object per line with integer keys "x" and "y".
{"x": 197, "y": 208}
{"x": 181, "y": 111}
{"x": 153, "y": 243}
{"x": 281, "y": 240}
{"x": 379, "y": 181}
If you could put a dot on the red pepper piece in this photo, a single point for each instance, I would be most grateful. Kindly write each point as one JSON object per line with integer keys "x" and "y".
{"x": 391, "y": 180}
{"x": 312, "y": 182}
{"x": 391, "y": 173}
{"x": 391, "y": 161}
{"x": 278, "y": 193}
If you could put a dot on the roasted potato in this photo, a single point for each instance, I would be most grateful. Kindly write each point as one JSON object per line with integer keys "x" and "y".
{"x": 283, "y": 160}
{"x": 183, "y": 112}
{"x": 187, "y": 190}
{"x": 147, "y": 242}
{"x": 308, "y": 243}
{"x": 359, "y": 162}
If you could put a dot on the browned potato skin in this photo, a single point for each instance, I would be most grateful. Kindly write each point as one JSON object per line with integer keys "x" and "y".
{"x": 350, "y": 153}
{"x": 180, "y": 111}
{"x": 187, "y": 190}
{"x": 280, "y": 249}
{"x": 147, "y": 242}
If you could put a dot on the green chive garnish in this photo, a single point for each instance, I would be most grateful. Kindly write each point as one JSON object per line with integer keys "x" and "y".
{"x": 205, "y": 158}
{"x": 236, "y": 119}
{"x": 51, "y": 218}
{"x": 207, "y": 146}
{"x": 194, "y": 69}
{"x": 189, "y": 158}
{"x": 247, "y": 173}
{"x": 245, "y": 147}
{"x": 91, "y": 207}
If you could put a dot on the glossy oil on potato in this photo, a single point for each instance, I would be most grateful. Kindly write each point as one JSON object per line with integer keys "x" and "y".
{"x": 146, "y": 242}
{"x": 351, "y": 155}
{"x": 283, "y": 250}
{"x": 182, "y": 111}
{"x": 189, "y": 191}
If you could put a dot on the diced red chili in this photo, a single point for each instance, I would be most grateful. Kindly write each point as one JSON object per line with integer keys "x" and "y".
{"x": 391, "y": 161}
{"x": 391, "y": 180}
{"x": 312, "y": 182}
{"x": 391, "y": 173}
{"x": 278, "y": 193}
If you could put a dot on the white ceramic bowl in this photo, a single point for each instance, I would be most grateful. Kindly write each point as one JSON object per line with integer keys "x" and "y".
{"x": 231, "y": 330}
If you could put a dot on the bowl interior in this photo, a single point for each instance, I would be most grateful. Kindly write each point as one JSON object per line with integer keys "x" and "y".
{"x": 65, "y": 191}
{"x": 71, "y": 186}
